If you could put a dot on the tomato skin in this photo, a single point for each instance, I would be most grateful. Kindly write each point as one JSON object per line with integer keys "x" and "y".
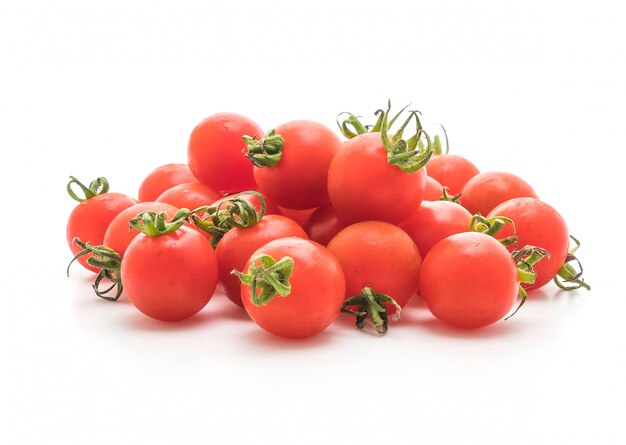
{"x": 299, "y": 180}
{"x": 469, "y": 280}
{"x": 363, "y": 186}
{"x": 537, "y": 224}
{"x": 236, "y": 247}
{"x": 378, "y": 255}
{"x": 433, "y": 190}
{"x": 434, "y": 221}
{"x": 189, "y": 195}
{"x": 323, "y": 224}
{"x": 451, "y": 170}
{"x": 170, "y": 277}
{"x": 163, "y": 178}
{"x": 89, "y": 221}
{"x": 299, "y": 216}
{"x": 486, "y": 190}
{"x": 317, "y": 290}
{"x": 118, "y": 234}
{"x": 215, "y": 152}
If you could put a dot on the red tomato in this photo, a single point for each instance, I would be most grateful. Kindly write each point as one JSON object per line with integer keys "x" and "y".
{"x": 323, "y": 224}
{"x": 298, "y": 180}
{"x": 119, "y": 235}
{"x": 299, "y": 216}
{"x": 486, "y": 190}
{"x": 215, "y": 152}
{"x": 363, "y": 185}
{"x": 469, "y": 280}
{"x": 170, "y": 277}
{"x": 432, "y": 189}
{"x": 316, "y": 294}
{"x": 453, "y": 171}
{"x": 536, "y": 224}
{"x": 434, "y": 221}
{"x": 380, "y": 256}
{"x": 235, "y": 248}
{"x": 270, "y": 207}
{"x": 163, "y": 178}
{"x": 190, "y": 195}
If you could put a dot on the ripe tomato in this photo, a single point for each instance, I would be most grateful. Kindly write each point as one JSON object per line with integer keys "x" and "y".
{"x": 486, "y": 190}
{"x": 297, "y": 180}
{"x": 312, "y": 287}
{"x": 119, "y": 234}
{"x": 236, "y": 246}
{"x": 299, "y": 216}
{"x": 380, "y": 256}
{"x": 270, "y": 207}
{"x": 537, "y": 224}
{"x": 172, "y": 276}
{"x": 323, "y": 224}
{"x": 89, "y": 219}
{"x": 452, "y": 171}
{"x": 433, "y": 190}
{"x": 469, "y": 280}
{"x": 189, "y": 195}
{"x": 215, "y": 152}
{"x": 163, "y": 178}
{"x": 434, "y": 221}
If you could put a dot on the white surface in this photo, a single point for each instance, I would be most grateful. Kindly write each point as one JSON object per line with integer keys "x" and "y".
{"x": 114, "y": 89}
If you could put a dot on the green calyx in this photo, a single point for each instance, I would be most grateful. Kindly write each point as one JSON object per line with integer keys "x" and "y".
{"x": 235, "y": 212}
{"x": 108, "y": 261}
{"x": 407, "y": 155}
{"x": 371, "y": 304}
{"x": 525, "y": 259}
{"x": 97, "y": 187}
{"x": 437, "y": 148}
{"x": 266, "y": 152}
{"x": 156, "y": 224}
{"x": 352, "y": 126}
{"x": 491, "y": 226}
{"x": 268, "y": 275}
{"x": 445, "y": 196}
{"x": 568, "y": 278}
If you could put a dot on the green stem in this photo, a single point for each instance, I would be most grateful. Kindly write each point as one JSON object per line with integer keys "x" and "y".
{"x": 271, "y": 276}
{"x": 568, "y": 278}
{"x": 155, "y": 223}
{"x": 97, "y": 187}
{"x": 492, "y": 226}
{"x": 525, "y": 259}
{"x": 446, "y": 197}
{"x": 371, "y": 305}
{"x": 108, "y": 261}
{"x": 266, "y": 152}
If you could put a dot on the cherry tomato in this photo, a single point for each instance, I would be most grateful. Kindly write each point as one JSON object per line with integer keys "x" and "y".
{"x": 299, "y": 216}
{"x": 163, "y": 178}
{"x": 172, "y": 276}
{"x": 299, "y": 179}
{"x": 380, "y": 256}
{"x": 189, "y": 195}
{"x": 434, "y": 221}
{"x": 486, "y": 190}
{"x": 317, "y": 288}
{"x": 451, "y": 170}
{"x": 536, "y": 224}
{"x": 270, "y": 207}
{"x": 235, "y": 248}
{"x": 363, "y": 185}
{"x": 215, "y": 152}
{"x": 469, "y": 280}
{"x": 433, "y": 190}
{"x": 323, "y": 224}
{"x": 118, "y": 234}
{"x": 89, "y": 219}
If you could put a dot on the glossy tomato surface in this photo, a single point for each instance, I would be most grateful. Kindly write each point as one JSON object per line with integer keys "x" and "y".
{"x": 486, "y": 190}
{"x": 452, "y": 171}
{"x": 163, "y": 178}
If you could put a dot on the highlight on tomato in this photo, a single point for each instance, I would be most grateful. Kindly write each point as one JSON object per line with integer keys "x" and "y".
{"x": 189, "y": 195}
{"x": 486, "y": 190}
{"x": 163, "y": 178}
{"x": 292, "y": 287}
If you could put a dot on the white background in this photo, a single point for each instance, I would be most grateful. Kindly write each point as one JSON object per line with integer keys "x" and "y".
{"x": 114, "y": 88}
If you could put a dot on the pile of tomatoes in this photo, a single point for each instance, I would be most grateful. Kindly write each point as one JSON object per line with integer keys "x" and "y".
{"x": 297, "y": 226}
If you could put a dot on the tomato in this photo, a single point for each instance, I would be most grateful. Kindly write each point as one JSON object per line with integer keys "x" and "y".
{"x": 380, "y": 256}
{"x": 170, "y": 277}
{"x": 486, "y": 190}
{"x": 236, "y": 246}
{"x": 323, "y": 224}
{"x": 537, "y": 224}
{"x": 312, "y": 287}
{"x": 363, "y": 185}
{"x": 118, "y": 234}
{"x": 189, "y": 195}
{"x": 299, "y": 216}
{"x": 434, "y": 221}
{"x": 452, "y": 171}
{"x": 295, "y": 177}
{"x": 215, "y": 151}
{"x": 469, "y": 280}
{"x": 163, "y": 178}
{"x": 270, "y": 207}
{"x": 89, "y": 219}
{"x": 433, "y": 190}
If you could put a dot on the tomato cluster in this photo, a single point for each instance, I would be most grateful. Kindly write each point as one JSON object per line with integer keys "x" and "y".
{"x": 298, "y": 226}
